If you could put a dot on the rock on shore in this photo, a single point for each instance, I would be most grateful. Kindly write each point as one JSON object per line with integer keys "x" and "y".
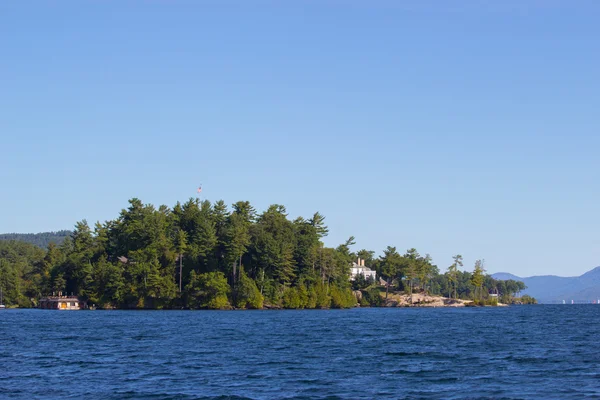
{"x": 422, "y": 300}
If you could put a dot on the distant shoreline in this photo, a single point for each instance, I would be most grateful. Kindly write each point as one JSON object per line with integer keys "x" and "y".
{"x": 394, "y": 300}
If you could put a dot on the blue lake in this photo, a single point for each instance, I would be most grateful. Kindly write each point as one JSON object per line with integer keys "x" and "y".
{"x": 545, "y": 352}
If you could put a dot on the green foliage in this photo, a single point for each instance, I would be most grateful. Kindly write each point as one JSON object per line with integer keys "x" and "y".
{"x": 18, "y": 262}
{"x": 372, "y": 296}
{"x": 160, "y": 288}
{"x": 41, "y": 240}
{"x": 9, "y": 283}
{"x": 318, "y": 222}
{"x": 526, "y": 299}
{"x": 271, "y": 291}
{"x": 291, "y": 298}
{"x": 477, "y": 279}
{"x": 107, "y": 284}
{"x": 390, "y": 266}
{"x": 237, "y": 232}
{"x": 452, "y": 275}
{"x": 247, "y": 293}
{"x": 208, "y": 290}
{"x": 360, "y": 282}
{"x": 138, "y": 259}
{"x": 312, "y": 298}
{"x": 509, "y": 289}
{"x": 342, "y": 298}
{"x": 274, "y": 242}
{"x": 343, "y": 251}
{"x": 323, "y": 300}
{"x": 486, "y": 302}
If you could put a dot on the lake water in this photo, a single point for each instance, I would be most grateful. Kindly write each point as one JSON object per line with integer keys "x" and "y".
{"x": 545, "y": 352}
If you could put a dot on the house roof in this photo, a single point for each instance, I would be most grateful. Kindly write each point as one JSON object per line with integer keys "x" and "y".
{"x": 355, "y": 265}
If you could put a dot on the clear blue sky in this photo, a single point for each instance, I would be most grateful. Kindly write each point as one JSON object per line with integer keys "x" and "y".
{"x": 465, "y": 127}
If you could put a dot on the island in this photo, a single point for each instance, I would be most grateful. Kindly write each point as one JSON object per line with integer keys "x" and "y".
{"x": 203, "y": 255}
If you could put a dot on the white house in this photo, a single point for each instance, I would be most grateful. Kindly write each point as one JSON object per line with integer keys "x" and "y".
{"x": 359, "y": 268}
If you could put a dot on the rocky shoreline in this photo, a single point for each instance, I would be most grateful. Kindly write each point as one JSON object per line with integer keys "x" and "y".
{"x": 424, "y": 300}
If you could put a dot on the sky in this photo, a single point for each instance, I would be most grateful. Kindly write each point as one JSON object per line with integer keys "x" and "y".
{"x": 467, "y": 127}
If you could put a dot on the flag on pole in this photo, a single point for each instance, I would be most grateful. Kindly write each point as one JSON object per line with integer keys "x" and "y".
{"x": 199, "y": 189}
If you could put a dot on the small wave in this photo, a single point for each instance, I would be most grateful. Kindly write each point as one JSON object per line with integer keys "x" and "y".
{"x": 133, "y": 395}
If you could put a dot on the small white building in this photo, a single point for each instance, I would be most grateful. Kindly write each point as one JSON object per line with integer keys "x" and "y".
{"x": 359, "y": 268}
{"x": 61, "y": 302}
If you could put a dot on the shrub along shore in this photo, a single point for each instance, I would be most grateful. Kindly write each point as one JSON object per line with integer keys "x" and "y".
{"x": 203, "y": 255}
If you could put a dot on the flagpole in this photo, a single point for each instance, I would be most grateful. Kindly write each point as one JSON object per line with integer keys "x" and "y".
{"x": 199, "y": 193}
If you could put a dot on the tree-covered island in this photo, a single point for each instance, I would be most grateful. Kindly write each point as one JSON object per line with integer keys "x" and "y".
{"x": 204, "y": 255}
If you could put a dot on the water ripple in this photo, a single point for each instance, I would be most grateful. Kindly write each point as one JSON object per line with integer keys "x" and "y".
{"x": 545, "y": 352}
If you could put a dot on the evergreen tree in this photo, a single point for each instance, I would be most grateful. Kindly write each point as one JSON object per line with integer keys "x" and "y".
{"x": 391, "y": 267}
{"x": 478, "y": 278}
{"x": 140, "y": 259}
{"x": 453, "y": 273}
{"x": 208, "y": 290}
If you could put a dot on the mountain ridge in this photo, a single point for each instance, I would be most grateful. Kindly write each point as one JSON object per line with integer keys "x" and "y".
{"x": 584, "y": 288}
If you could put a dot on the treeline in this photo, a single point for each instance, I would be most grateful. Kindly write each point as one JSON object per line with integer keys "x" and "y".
{"x": 17, "y": 261}
{"x": 42, "y": 239}
{"x": 411, "y": 272}
{"x": 204, "y": 255}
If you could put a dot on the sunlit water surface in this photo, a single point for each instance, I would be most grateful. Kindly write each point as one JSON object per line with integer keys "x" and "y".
{"x": 545, "y": 352}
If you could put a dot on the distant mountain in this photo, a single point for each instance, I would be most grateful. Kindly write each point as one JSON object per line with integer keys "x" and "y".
{"x": 39, "y": 239}
{"x": 555, "y": 289}
{"x": 505, "y": 276}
